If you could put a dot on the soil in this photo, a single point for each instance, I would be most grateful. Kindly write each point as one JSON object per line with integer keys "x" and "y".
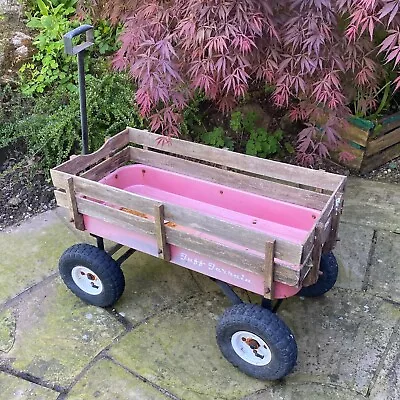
{"x": 25, "y": 190}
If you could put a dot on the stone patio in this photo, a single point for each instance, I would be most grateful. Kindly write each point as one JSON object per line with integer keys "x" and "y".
{"x": 159, "y": 340}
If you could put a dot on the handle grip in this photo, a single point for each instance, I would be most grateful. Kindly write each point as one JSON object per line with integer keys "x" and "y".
{"x": 68, "y": 46}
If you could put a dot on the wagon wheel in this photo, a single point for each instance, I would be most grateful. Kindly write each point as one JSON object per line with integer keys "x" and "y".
{"x": 92, "y": 274}
{"x": 329, "y": 272}
{"x": 256, "y": 341}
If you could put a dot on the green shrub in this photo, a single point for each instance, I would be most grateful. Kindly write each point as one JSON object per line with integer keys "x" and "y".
{"x": 52, "y": 131}
{"x": 49, "y": 65}
{"x": 261, "y": 143}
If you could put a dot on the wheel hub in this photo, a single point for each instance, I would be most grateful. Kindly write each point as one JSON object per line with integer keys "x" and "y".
{"x": 87, "y": 280}
{"x": 251, "y": 348}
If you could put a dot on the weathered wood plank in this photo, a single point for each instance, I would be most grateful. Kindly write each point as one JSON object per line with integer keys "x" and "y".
{"x": 269, "y": 270}
{"x": 381, "y": 158}
{"x": 389, "y": 123}
{"x": 76, "y": 218}
{"x": 106, "y": 193}
{"x": 163, "y": 248}
{"x": 115, "y": 216}
{"x": 383, "y": 142}
{"x": 355, "y": 163}
{"x": 231, "y": 232}
{"x": 99, "y": 171}
{"x": 83, "y": 162}
{"x": 354, "y": 134}
{"x": 222, "y": 230}
{"x": 242, "y": 162}
{"x": 220, "y": 252}
{"x": 277, "y": 191}
{"x": 313, "y": 274}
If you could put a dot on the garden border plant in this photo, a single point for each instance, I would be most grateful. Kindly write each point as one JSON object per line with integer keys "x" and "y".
{"x": 318, "y": 55}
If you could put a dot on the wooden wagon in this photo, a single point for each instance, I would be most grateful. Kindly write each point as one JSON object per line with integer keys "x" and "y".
{"x": 261, "y": 225}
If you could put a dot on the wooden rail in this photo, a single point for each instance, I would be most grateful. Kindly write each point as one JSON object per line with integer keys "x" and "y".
{"x": 274, "y": 258}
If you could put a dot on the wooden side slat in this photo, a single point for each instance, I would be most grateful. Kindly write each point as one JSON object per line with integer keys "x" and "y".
{"x": 115, "y": 216}
{"x": 354, "y": 134}
{"x": 252, "y": 239}
{"x": 389, "y": 123}
{"x": 381, "y": 158}
{"x": 313, "y": 274}
{"x": 82, "y": 162}
{"x": 355, "y": 163}
{"x": 99, "y": 171}
{"x": 242, "y": 162}
{"x": 106, "y": 193}
{"x": 220, "y": 252}
{"x": 76, "y": 218}
{"x": 163, "y": 248}
{"x": 383, "y": 142}
{"x": 258, "y": 186}
{"x": 220, "y": 229}
{"x": 269, "y": 270}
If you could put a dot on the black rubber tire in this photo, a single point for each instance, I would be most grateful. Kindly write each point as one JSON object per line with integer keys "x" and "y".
{"x": 102, "y": 264}
{"x": 263, "y": 323}
{"x": 330, "y": 269}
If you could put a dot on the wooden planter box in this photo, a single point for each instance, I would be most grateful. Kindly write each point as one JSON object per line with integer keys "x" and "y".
{"x": 371, "y": 144}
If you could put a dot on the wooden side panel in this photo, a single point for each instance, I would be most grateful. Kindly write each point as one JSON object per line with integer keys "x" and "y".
{"x": 381, "y": 158}
{"x": 221, "y": 252}
{"x": 99, "y": 171}
{"x": 383, "y": 142}
{"x": 221, "y": 230}
{"x": 354, "y": 134}
{"x": 356, "y": 162}
{"x": 76, "y": 218}
{"x": 83, "y": 162}
{"x": 278, "y": 191}
{"x": 163, "y": 248}
{"x": 269, "y": 269}
{"x": 241, "y": 162}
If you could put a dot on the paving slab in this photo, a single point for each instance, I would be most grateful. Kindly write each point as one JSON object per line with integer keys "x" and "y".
{"x": 307, "y": 391}
{"x": 57, "y": 334}
{"x": 372, "y": 204}
{"x": 387, "y": 386}
{"x": 108, "y": 381}
{"x": 341, "y": 337}
{"x": 177, "y": 351}
{"x": 152, "y": 284}
{"x": 15, "y": 388}
{"x": 352, "y": 252}
{"x": 30, "y": 252}
{"x": 384, "y": 279}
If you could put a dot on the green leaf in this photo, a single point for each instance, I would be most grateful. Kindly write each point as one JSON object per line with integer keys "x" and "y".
{"x": 289, "y": 148}
{"x": 42, "y": 7}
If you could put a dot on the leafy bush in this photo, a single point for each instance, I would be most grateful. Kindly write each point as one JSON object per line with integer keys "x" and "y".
{"x": 49, "y": 65}
{"x": 318, "y": 55}
{"x": 217, "y": 138}
{"x": 260, "y": 143}
{"x": 52, "y": 130}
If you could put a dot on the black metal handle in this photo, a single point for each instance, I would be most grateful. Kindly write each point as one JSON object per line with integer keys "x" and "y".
{"x": 68, "y": 46}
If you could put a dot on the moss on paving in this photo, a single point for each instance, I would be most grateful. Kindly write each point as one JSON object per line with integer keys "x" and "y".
{"x": 57, "y": 334}
{"x": 177, "y": 350}
{"x": 7, "y": 331}
{"x": 106, "y": 381}
{"x": 15, "y": 388}
{"x": 30, "y": 253}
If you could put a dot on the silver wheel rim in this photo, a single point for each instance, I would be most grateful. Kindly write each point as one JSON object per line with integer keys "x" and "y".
{"x": 87, "y": 280}
{"x": 251, "y": 348}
